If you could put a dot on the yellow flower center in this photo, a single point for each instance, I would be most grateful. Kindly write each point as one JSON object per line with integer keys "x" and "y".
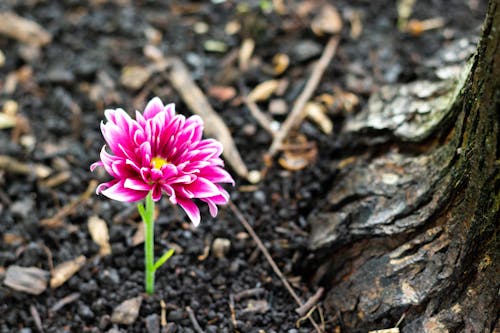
{"x": 158, "y": 162}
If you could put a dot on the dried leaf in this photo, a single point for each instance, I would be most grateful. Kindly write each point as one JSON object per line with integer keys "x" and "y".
{"x": 31, "y": 280}
{"x": 328, "y": 21}
{"x": 99, "y": 232}
{"x": 66, "y": 270}
{"x": 263, "y": 91}
{"x": 134, "y": 77}
{"x": 126, "y": 313}
{"x": 317, "y": 113}
{"x": 246, "y": 51}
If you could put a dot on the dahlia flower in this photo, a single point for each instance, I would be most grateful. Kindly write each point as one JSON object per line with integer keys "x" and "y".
{"x": 160, "y": 152}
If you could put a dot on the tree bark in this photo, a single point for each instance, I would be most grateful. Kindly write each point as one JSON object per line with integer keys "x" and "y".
{"x": 408, "y": 234}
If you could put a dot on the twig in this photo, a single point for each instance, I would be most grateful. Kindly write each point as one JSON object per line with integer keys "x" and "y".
{"x": 248, "y": 293}
{"x": 36, "y": 318}
{"x": 233, "y": 313}
{"x": 275, "y": 267}
{"x": 302, "y": 310}
{"x": 263, "y": 119}
{"x": 297, "y": 114}
{"x": 196, "y": 325}
{"x": 180, "y": 78}
{"x": 63, "y": 301}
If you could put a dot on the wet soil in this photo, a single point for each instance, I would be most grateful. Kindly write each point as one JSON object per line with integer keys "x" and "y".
{"x": 61, "y": 92}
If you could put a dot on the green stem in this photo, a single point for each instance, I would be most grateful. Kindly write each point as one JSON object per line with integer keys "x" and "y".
{"x": 149, "y": 257}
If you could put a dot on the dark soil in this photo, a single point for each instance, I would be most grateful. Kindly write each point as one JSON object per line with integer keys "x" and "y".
{"x": 77, "y": 75}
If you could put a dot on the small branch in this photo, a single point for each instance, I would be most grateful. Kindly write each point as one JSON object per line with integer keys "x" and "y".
{"x": 192, "y": 317}
{"x": 275, "y": 267}
{"x": 180, "y": 78}
{"x": 297, "y": 114}
{"x": 263, "y": 119}
{"x": 302, "y": 310}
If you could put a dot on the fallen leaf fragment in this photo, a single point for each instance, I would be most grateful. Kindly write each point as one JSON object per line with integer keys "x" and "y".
{"x": 23, "y": 30}
{"x": 126, "y": 313}
{"x": 31, "y": 280}
{"x": 328, "y": 21}
{"x": 263, "y": 91}
{"x": 99, "y": 232}
{"x": 64, "y": 271}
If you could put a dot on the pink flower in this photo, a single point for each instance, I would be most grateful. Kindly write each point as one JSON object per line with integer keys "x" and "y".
{"x": 162, "y": 152}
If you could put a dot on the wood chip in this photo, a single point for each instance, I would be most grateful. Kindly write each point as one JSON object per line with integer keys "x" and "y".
{"x": 99, "y": 232}
{"x": 134, "y": 77}
{"x": 126, "y": 313}
{"x": 328, "y": 21}
{"x": 138, "y": 237}
{"x": 246, "y": 51}
{"x": 64, "y": 271}
{"x": 23, "y": 30}
{"x": 220, "y": 247}
{"x": 263, "y": 91}
{"x": 222, "y": 93}
{"x": 31, "y": 280}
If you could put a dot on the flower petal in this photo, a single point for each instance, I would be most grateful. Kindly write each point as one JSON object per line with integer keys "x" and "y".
{"x": 120, "y": 193}
{"x": 152, "y": 108}
{"x": 191, "y": 210}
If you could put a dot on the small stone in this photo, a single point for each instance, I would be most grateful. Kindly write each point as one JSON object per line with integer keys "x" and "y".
{"x": 60, "y": 76}
{"x": 305, "y": 50}
{"x": 175, "y": 315}
{"x": 153, "y": 323}
{"x": 126, "y": 313}
{"x": 85, "y": 312}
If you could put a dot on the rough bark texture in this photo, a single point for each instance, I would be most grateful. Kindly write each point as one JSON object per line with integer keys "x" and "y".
{"x": 409, "y": 231}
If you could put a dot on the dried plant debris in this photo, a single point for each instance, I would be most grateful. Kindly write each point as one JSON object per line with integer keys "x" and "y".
{"x": 99, "y": 232}
{"x": 31, "y": 280}
{"x": 263, "y": 91}
{"x": 24, "y": 30}
{"x": 64, "y": 271}
{"x": 328, "y": 21}
{"x": 127, "y": 312}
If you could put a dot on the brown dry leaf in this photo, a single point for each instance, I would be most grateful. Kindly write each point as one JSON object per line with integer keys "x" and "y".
{"x": 222, "y": 93}
{"x": 317, "y": 113}
{"x": 134, "y": 77}
{"x": 31, "y": 280}
{"x": 66, "y": 270}
{"x": 126, "y": 313}
{"x": 298, "y": 154}
{"x": 280, "y": 63}
{"x": 328, "y": 21}
{"x": 246, "y": 51}
{"x": 99, "y": 232}
{"x": 263, "y": 91}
